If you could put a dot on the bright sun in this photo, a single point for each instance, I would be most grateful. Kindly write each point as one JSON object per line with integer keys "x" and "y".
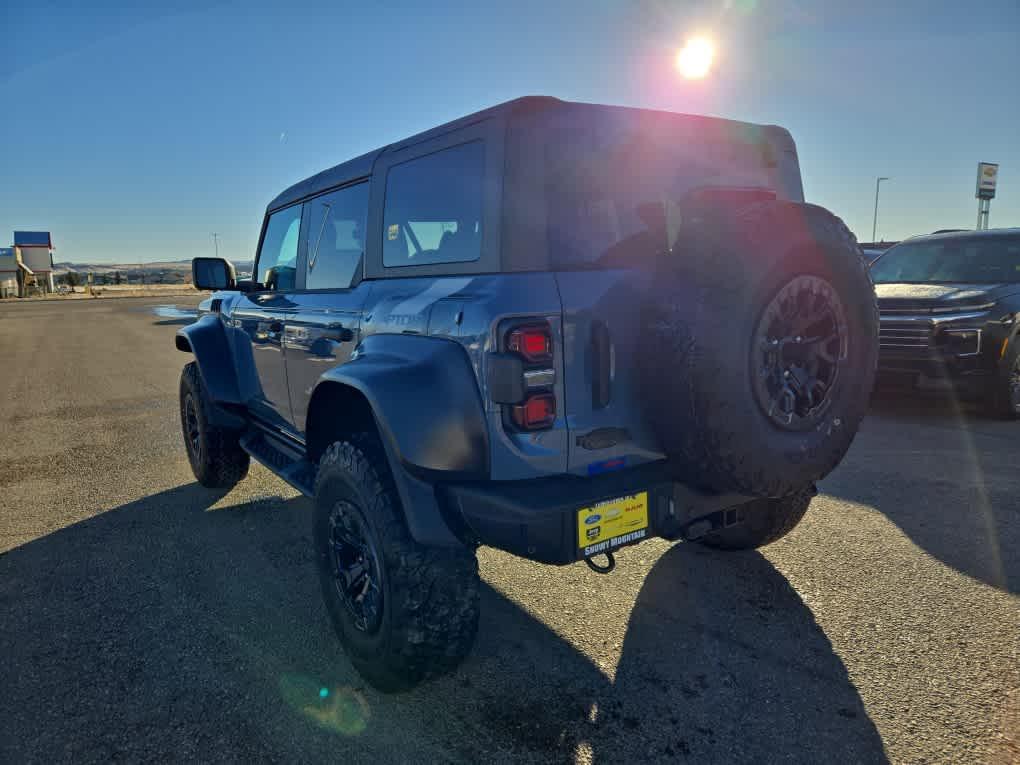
{"x": 695, "y": 58}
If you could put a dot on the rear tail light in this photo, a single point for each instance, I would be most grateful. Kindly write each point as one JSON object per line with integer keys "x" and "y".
{"x": 533, "y": 342}
{"x": 536, "y": 413}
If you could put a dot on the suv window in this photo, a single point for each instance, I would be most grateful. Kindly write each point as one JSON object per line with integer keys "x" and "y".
{"x": 277, "y": 262}
{"x": 433, "y": 208}
{"x": 336, "y": 237}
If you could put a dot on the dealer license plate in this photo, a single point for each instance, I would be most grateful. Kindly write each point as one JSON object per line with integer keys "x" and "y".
{"x": 612, "y": 523}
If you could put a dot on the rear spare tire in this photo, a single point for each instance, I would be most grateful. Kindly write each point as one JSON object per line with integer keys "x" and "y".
{"x": 760, "y": 344}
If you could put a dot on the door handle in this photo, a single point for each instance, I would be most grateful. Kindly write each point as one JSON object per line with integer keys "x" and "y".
{"x": 339, "y": 333}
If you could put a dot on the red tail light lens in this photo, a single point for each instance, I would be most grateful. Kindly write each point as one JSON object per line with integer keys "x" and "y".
{"x": 536, "y": 413}
{"x": 533, "y": 342}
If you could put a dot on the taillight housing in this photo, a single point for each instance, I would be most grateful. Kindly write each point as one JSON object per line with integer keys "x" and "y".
{"x": 533, "y": 342}
{"x": 538, "y": 412}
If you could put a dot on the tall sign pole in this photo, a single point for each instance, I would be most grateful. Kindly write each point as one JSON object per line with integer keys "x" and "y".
{"x": 874, "y": 221}
{"x": 987, "y": 177}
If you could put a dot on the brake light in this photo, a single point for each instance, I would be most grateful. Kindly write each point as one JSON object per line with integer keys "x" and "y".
{"x": 533, "y": 342}
{"x": 534, "y": 407}
{"x": 536, "y": 413}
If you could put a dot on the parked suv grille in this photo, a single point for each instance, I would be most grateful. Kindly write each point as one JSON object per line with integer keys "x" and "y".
{"x": 896, "y": 334}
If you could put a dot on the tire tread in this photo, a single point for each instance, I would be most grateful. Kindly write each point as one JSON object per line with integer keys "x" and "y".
{"x": 224, "y": 462}
{"x": 434, "y": 592}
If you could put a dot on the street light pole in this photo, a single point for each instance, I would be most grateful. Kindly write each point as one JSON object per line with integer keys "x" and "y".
{"x": 216, "y": 243}
{"x": 874, "y": 221}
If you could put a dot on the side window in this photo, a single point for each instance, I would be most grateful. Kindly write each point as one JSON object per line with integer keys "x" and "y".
{"x": 433, "y": 208}
{"x": 336, "y": 237}
{"x": 277, "y": 262}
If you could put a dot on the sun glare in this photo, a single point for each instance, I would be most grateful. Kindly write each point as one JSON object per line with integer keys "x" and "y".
{"x": 695, "y": 58}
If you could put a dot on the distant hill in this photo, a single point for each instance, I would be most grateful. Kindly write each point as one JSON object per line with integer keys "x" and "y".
{"x": 157, "y": 272}
{"x": 159, "y": 265}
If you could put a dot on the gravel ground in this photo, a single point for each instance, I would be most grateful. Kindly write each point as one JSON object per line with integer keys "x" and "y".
{"x": 144, "y": 617}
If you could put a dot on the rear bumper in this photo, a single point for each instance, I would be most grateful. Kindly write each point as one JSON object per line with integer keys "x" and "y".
{"x": 538, "y": 519}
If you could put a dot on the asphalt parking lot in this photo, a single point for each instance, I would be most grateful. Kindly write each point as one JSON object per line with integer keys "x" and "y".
{"x": 144, "y": 617}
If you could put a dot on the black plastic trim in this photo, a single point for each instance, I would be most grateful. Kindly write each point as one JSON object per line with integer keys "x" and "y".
{"x": 207, "y": 341}
{"x": 536, "y": 519}
{"x": 505, "y": 377}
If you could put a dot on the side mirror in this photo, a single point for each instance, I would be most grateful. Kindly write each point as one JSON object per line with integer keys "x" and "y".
{"x": 213, "y": 274}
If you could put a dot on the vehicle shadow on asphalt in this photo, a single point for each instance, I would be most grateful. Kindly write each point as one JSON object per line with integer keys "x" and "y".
{"x": 721, "y": 662}
{"x": 945, "y": 473}
{"x": 182, "y": 626}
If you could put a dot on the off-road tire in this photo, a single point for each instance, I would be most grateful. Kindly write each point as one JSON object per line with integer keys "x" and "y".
{"x": 217, "y": 459}
{"x": 708, "y": 299}
{"x": 429, "y": 594}
{"x": 1001, "y": 399}
{"x": 765, "y": 521}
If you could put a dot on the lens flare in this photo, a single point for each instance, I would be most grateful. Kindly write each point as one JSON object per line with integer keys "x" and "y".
{"x": 336, "y": 708}
{"x": 695, "y": 59}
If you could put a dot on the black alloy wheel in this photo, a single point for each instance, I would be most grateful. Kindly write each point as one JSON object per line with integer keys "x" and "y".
{"x": 192, "y": 429}
{"x": 214, "y": 451}
{"x": 356, "y": 570}
{"x": 798, "y": 348}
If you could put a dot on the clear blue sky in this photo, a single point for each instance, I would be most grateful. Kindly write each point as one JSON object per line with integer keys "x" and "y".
{"x": 132, "y": 134}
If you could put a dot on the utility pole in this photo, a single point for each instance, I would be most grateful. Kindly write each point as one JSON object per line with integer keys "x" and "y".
{"x": 216, "y": 243}
{"x": 874, "y": 222}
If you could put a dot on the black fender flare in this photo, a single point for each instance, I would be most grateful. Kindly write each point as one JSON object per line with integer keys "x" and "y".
{"x": 206, "y": 340}
{"x": 424, "y": 399}
{"x": 424, "y": 395}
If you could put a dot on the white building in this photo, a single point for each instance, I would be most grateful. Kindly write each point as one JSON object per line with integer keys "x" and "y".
{"x": 34, "y": 252}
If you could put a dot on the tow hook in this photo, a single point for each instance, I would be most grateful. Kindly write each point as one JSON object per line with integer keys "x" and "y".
{"x": 606, "y": 569}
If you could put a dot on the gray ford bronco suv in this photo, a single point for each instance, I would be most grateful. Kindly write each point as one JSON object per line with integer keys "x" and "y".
{"x": 548, "y": 327}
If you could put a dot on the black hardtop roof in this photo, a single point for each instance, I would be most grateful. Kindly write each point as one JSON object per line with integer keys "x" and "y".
{"x": 361, "y": 167}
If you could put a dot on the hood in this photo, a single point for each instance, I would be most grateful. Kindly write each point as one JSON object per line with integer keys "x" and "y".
{"x": 939, "y": 297}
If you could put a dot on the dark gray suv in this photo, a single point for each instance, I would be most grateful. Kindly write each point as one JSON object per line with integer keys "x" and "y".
{"x": 548, "y": 327}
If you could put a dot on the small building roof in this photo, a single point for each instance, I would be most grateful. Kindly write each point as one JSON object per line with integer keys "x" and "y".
{"x": 33, "y": 239}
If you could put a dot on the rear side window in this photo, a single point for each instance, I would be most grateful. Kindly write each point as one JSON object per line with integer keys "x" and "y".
{"x": 336, "y": 237}
{"x": 277, "y": 261}
{"x": 433, "y": 208}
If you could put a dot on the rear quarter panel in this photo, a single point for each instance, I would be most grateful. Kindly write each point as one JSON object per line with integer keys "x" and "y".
{"x": 468, "y": 309}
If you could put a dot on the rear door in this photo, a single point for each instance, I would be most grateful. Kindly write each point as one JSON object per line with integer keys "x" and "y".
{"x": 601, "y": 311}
{"x": 325, "y": 324}
{"x": 261, "y": 315}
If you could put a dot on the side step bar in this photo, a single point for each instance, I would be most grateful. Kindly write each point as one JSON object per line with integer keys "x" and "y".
{"x": 282, "y": 458}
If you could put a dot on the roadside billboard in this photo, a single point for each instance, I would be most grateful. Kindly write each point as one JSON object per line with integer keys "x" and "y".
{"x": 987, "y": 175}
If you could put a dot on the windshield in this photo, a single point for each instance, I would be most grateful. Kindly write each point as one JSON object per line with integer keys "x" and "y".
{"x": 985, "y": 260}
